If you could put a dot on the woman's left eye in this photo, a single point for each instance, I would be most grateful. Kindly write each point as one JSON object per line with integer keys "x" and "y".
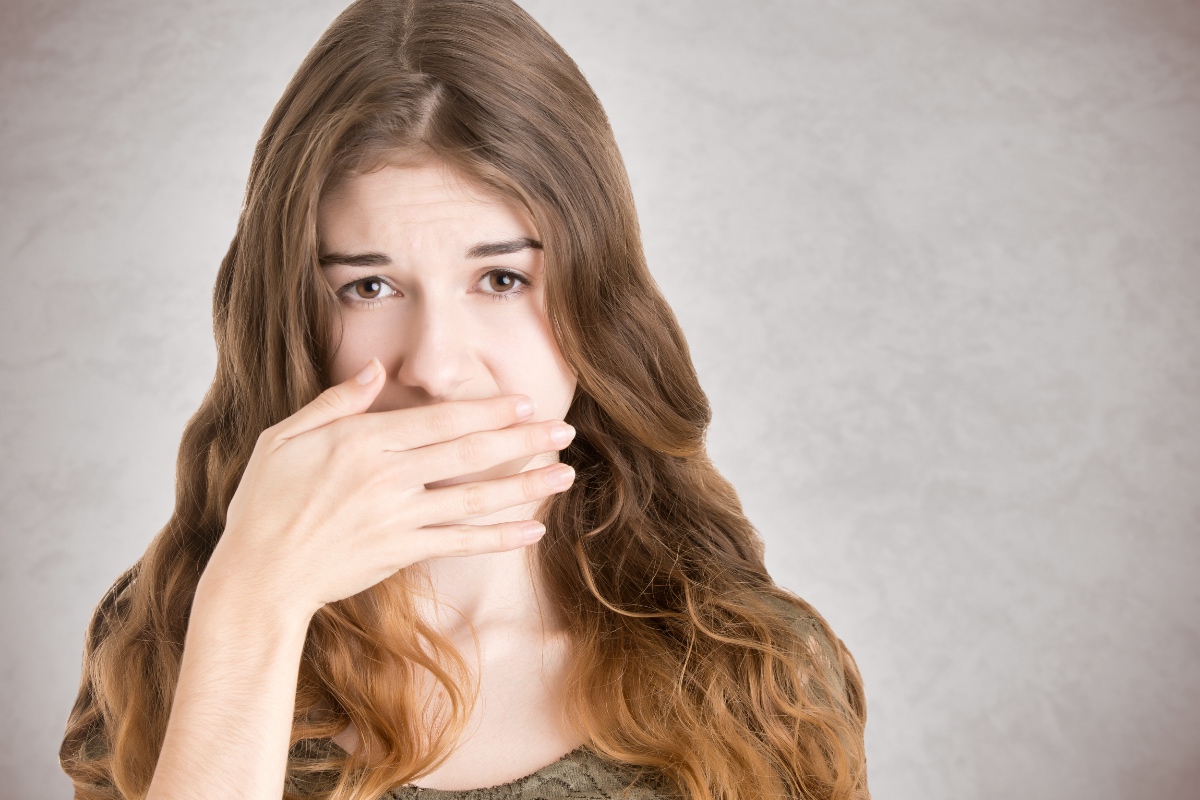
{"x": 373, "y": 285}
{"x": 504, "y": 284}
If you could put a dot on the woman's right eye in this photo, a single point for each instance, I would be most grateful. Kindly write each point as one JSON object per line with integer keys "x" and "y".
{"x": 366, "y": 292}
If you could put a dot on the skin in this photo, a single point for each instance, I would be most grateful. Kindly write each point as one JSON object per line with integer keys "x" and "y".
{"x": 450, "y": 327}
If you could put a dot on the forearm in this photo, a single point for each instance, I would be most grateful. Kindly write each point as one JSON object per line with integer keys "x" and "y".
{"x": 231, "y": 717}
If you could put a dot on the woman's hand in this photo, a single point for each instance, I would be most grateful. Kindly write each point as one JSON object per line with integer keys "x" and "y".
{"x": 333, "y": 500}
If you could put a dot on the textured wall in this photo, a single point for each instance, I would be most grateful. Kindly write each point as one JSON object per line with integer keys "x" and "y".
{"x": 938, "y": 263}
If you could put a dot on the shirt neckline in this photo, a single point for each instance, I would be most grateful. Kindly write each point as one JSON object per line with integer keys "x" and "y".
{"x": 446, "y": 794}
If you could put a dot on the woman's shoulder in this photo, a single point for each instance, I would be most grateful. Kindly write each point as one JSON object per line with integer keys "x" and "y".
{"x": 801, "y": 614}
{"x": 830, "y": 652}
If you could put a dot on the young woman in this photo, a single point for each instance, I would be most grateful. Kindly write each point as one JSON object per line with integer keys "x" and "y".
{"x": 445, "y": 525}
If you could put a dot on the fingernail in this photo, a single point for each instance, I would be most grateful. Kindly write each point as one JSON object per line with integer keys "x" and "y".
{"x": 368, "y": 373}
{"x": 561, "y": 476}
{"x": 525, "y": 408}
{"x": 562, "y": 433}
{"x": 532, "y": 531}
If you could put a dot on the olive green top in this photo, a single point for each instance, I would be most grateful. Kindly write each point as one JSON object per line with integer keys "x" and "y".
{"x": 580, "y": 773}
{"x": 583, "y": 774}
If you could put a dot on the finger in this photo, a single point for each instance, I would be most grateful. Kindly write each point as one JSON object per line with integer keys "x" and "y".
{"x": 475, "y": 499}
{"x": 352, "y": 396}
{"x": 409, "y": 428}
{"x": 468, "y": 540}
{"x": 476, "y": 452}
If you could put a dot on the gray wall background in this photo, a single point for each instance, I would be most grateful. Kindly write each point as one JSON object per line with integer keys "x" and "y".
{"x": 939, "y": 265}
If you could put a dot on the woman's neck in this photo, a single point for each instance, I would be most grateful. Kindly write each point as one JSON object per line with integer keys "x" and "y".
{"x": 492, "y": 590}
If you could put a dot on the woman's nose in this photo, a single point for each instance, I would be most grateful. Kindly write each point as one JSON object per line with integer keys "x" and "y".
{"x": 434, "y": 351}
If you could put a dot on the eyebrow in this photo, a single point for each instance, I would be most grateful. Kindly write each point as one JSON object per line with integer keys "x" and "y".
{"x": 481, "y": 250}
{"x": 489, "y": 249}
{"x": 358, "y": 260}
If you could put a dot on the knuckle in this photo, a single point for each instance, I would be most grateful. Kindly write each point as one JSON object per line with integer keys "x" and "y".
{"x": 495, "y": 536}
{"x": 330, "y": 400}
{"x": 470, "y": 450}
{"x": 462, "y": 542}
{"x": 533, "y": 484}
{"x": 474, "y": 500}
{"x": 442, "y": 424}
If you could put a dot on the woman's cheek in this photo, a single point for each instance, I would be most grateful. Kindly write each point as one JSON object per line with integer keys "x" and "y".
{"x": 363, "y": 336}
{"x": 525, "y": 360}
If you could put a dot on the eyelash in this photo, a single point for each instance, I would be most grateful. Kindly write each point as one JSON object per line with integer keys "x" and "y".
{"x": 344, "y": 292}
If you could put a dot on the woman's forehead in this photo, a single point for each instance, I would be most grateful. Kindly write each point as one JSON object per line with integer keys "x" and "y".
{"x": 418, "y": 211}
{"x": 428, "y": 195}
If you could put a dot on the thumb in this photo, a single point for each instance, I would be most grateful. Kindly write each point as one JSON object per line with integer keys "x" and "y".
{"x": 351, "y": 396}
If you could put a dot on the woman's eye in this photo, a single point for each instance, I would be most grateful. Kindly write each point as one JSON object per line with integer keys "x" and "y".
{"x": 504, "y": 284}
{"x": 366, "y": 291}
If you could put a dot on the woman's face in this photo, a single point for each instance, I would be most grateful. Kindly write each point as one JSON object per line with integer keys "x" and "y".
{"x": 446, "y": 285}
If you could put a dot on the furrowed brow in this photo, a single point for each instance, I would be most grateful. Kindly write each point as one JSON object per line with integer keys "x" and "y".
{"x": 490, "y": 249}
{"x": 355, "y": 260}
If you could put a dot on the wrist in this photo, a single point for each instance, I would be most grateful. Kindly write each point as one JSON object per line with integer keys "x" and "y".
{"x": 237, "y": 607}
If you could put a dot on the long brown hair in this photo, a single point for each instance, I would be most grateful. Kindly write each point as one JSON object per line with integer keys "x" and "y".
{"x": 688, "y": 660}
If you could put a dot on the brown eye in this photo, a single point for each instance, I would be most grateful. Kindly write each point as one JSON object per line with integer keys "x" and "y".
{"x": 504, "y": 284}
{"x": 372, "y": 287}
{"x": 501, "y": 281}
{"x": 366, "y": 292}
